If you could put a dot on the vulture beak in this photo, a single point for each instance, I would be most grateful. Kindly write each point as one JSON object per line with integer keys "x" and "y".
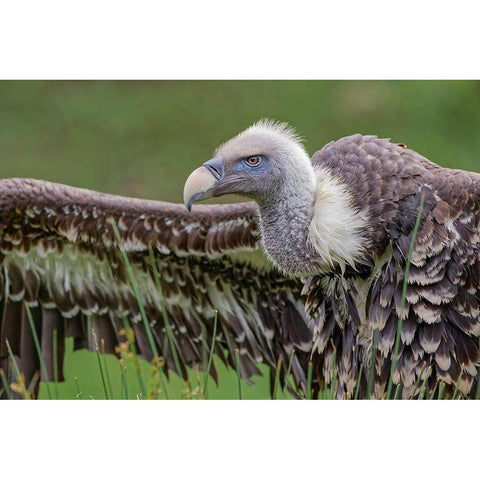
{"x": 202, "y": 181}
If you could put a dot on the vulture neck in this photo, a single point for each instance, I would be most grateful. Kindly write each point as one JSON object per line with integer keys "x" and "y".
{"x": 285, "y": 219}
{"x": 311, "y": 226}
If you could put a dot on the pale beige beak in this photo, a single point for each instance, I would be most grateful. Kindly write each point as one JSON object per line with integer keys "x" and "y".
{"x": 198, "y": 186}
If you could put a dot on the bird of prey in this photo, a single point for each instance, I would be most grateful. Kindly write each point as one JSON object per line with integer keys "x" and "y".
{"x": 360, "y": 264}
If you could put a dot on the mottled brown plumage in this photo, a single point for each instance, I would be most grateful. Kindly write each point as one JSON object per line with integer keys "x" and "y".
{"x": 439, "y": 336}
{"x": 60, "y": 256}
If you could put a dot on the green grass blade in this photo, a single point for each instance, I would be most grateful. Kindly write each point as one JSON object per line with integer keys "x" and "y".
{"x": 138, "y": 369}
{"x": 398, "y": 390}
{"x": 239, "y": 378}
{"x": 33, "y": 383}
{"x": 289, "y": 371}
{"x": 205, "y": 353}
{"x": 79, "y": 392}
{"x": 417, "y": 382}
{"x": 212, "y": 349}
{"x": 105, "y": 367}
{"x": 43, "y": 367}
{"x": 100, "y": 367}
{"x": 5, "y": 384}
{"x": 404, "y": 293}
{"x": 371, "y": 367}
{"x": 441, "y": 389}
{"x": 309, "y": 380}
{"x": 357, "y": 387}
{"x": 277, "y": 377}
{"x": 423, "y": 389}
{"x": 124, "y": 377}
{"x": 434, "y": 389}
{"x": 55, "y": 361}
{"x": 477, "y": 392}
{"x": 456, "y": 389}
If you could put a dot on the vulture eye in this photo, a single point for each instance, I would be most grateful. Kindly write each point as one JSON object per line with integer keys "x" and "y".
{"x": 254, "y": 160}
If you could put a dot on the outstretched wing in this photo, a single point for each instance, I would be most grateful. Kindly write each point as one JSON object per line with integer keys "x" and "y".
{"x": 60, "y": 255}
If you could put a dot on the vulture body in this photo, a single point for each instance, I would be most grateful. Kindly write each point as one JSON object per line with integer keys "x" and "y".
{"x": 314, "y": 269}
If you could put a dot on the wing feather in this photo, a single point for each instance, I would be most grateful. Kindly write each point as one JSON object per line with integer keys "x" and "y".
{"x": 59, "y": 254}
{"x": 439, "y": 338}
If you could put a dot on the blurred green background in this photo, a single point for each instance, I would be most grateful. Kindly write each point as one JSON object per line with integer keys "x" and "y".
{"x": 143, "y": 138}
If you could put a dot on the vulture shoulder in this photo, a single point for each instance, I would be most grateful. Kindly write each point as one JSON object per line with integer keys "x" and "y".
{"x": 60, "y": 256}
{"x": 357, "y": 314}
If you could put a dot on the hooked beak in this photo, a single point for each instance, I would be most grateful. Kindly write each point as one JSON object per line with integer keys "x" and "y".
{"x": 202, "y": 181}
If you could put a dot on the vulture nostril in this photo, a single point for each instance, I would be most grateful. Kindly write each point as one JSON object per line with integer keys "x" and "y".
{"x": 215, "y": 167}
{"x": 214, "y": 170}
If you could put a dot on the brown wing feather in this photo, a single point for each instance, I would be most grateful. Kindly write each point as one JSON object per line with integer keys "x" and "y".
{"x": 59, "y": 254}
{"x": 439, "y": 338}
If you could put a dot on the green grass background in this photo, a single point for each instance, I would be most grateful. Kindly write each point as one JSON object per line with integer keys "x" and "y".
{"x": 143, "y": 138}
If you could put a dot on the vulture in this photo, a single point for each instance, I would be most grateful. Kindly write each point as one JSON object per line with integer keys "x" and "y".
{"x": 358, "y": 268}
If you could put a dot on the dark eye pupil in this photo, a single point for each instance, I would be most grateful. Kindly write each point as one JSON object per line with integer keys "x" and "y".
{"x": 253, "y": 160}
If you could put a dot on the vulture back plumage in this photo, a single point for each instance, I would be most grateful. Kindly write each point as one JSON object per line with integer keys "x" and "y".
{"x": 359, "y": 311}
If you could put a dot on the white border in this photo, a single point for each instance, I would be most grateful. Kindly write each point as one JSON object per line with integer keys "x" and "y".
{"x": 233, "y": 439}
{"x": 244, "y": 39}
